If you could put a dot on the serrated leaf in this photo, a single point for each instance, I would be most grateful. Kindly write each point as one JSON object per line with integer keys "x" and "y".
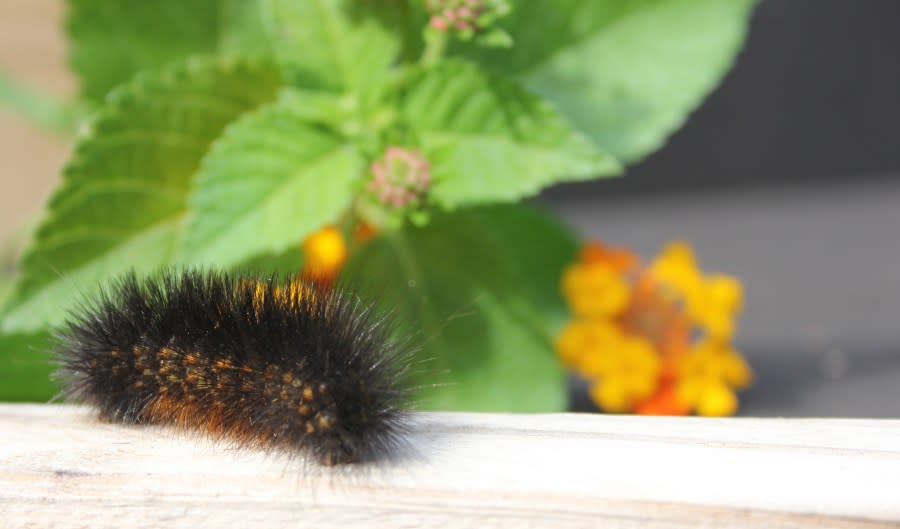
{"x": 333, "y": 44}
{"x": 478, "y": 288}
{"x": 242, "y": 29}
{"x": 626, "y": 72}
{"x": 273, "y": 178}
{"x": 281, "y": 264}
{"x": 123, "y": 198}
{"x": 488, "y": 139}
{"x": 114, "y": 39}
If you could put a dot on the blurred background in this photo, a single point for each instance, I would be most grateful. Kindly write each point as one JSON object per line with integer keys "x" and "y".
{"x": 788, "y": 177}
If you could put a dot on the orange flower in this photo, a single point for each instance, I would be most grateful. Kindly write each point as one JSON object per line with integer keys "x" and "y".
{"x": 664, "y": 402}
{"x": 657, "y": 317}
{"x": 620, "y": 259}
{"x": 325, "y": 253}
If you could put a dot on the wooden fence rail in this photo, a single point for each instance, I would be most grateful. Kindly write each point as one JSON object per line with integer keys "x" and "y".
{"x": 61, "y": 467}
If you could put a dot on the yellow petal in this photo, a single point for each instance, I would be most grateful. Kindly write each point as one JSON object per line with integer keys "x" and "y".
{"x": 717, "y": 400}
{"x": 678, "y": 254}
{"x": 595, "y": 290}
{"x": 588, "y": 346}
{"x": 718, "y": 325}
{"x": 570, "y": 344}
{"x": 696, "y": 364}
{"x": 596, "y": 362}
{"x": 725, "y": 292}
{"x": 736, "y": 372}
{"x": 640, "y": 354}
{"x": 689, "y": 390}
{"x": 676, "y": 267}
{"x": 611, "y": 395}
{"x": 640, "y": 385}
{"x": 715, "y": 307}
{"x": 711, "y": 359}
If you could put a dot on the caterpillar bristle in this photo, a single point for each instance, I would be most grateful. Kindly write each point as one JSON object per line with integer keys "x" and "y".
{"x": 267, "y": 363}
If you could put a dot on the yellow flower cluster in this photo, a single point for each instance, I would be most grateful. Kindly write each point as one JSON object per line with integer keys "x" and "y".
{"x": 711, "y": 301}
{"x": 654, "y": 339}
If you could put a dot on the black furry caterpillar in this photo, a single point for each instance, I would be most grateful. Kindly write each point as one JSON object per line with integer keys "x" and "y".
{"x": 263, "y": 363}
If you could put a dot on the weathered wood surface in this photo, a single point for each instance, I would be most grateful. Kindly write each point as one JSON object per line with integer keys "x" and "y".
{"x": 61, "y": 467}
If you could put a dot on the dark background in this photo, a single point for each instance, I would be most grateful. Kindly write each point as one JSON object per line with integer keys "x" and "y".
{"x": 788, "y": 177}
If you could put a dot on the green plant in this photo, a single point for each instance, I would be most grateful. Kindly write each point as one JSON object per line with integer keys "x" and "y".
{"x": 224, "y": 132}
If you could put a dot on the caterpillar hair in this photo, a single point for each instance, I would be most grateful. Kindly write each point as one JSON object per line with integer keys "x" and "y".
{"x": 265, "y": 363}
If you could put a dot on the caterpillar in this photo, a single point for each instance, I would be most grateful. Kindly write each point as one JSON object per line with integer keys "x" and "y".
{"x": 263, "y": 362}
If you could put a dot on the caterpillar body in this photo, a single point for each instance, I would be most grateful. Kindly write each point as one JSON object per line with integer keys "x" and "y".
{"x": 261, "y": 362}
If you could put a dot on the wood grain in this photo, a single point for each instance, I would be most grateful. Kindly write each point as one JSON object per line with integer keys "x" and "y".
{"x": 61, "y": 467}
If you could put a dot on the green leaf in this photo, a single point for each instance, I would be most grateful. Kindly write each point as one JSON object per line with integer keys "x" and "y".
{"x": 6, "y": 284}
{"x": 333, "y": 44}
{"x": 25, "y": 368}
{"x": 478, "y": 288}
{"x": 287, "y": 262}
{"x": 242, "y": 29}
{"x": 114, "y": 39}
{"x": 626, "y": 72}
{"x": 273, "y": 178}
{"x": 42, "y": 109}
{"x": 124, "y": 193}
{"x": 488, "y": 139}
{"x": 495, "y": 38}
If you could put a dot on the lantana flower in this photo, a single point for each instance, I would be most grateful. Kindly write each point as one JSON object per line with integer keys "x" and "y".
{"x": 400, "y": 178}
{"x": 712, "y": 301}
{"x": 465, "y": 16}
{"x": 654, "y": 339}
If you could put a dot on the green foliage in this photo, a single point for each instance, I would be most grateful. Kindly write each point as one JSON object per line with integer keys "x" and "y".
{"x": 27, "y": 367}
{"x": 333, "y": 44}
{"x": 242, "y": 28}
{"x": 227, "y": 131}
{"x": 302, "y": 179}
{"x": 626, "y": 72}
{"x": 112, "y": 40}
{"x": 5, "y": 287}
{"x": 489, "y": 139}
{"x": 123, "y": 200}
{"x": 479, "y": 289}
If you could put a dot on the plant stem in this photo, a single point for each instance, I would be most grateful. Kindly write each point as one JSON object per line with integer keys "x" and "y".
{"x": 42, "y": 109}
{"x": 435, "y": 46}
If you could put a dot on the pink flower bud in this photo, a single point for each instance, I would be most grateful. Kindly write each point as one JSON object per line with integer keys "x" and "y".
{"x": 400, "y": 178}
{"x": 439, "y": 23}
